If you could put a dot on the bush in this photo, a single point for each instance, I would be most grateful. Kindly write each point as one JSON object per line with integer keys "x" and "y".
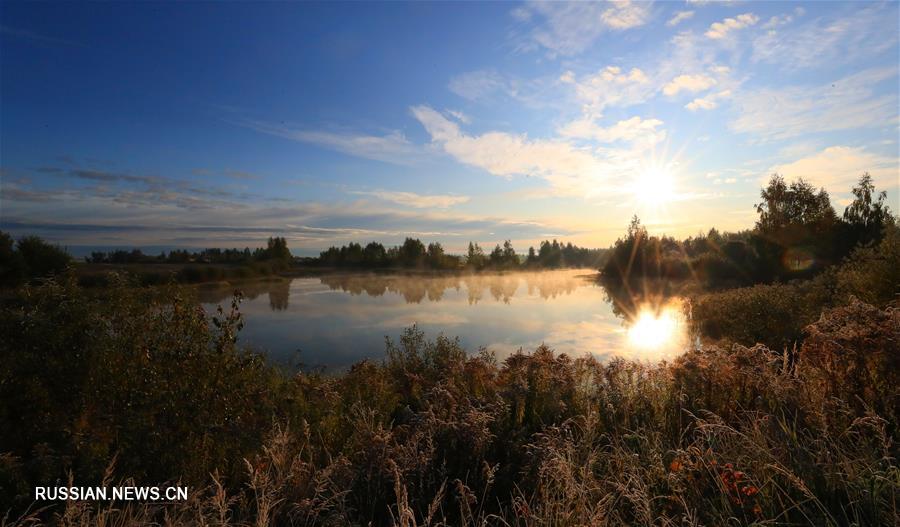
{"x": 32, "y": 258}
{"x": 433, "y": 435}
{"x": 777, "y": 314}
{"x": 139, "y": 374}
{"x": 872, "y": 274}
{"x": 774, "y": 314}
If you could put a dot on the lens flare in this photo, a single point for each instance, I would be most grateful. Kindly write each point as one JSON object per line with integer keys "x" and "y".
{"x": 798, "y": 259}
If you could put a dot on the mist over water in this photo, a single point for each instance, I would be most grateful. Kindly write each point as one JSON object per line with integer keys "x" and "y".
{"x": 335, "y": 320}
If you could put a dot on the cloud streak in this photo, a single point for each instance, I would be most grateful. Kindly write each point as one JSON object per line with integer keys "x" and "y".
{"x": 569, "y": 28}
{"x": 393, "y": 147}
{"x": 418, "y": 201}
{"x": 846, "y": 103}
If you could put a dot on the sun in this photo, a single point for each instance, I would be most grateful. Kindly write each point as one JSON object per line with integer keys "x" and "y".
{"x": 652, "y": 330}
{"x": 655, "y": 186}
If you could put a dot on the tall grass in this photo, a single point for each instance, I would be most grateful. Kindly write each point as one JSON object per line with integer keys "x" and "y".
{"x": 138, "y": 384}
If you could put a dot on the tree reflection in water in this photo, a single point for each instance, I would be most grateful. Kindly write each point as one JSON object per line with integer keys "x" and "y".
{"x": 278, "y": 290}
{"x": 414, "y": 289}
{"x": 338, "y": 318}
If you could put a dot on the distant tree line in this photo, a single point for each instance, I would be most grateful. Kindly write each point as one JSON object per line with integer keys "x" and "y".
{"x": 415, "y": 254}
{"x": 30, "y": 259}
{"x": 276, "y": 249}
{"x": 797, "y": 235}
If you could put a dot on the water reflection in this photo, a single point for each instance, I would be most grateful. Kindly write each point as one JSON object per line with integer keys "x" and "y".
{"x": 337, "y": 319}
{"x": 416, "y": 288}
{"x": 278, "y": 292}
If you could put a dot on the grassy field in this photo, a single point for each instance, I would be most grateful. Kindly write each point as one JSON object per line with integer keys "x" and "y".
{"x": 787, "y": 415}
{"x": 138, "y": 384}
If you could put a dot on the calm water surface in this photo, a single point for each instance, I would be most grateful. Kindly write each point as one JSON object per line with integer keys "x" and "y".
{"x": 338, "y": 319}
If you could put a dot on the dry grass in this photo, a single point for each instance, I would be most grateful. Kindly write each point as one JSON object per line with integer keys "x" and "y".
{"x": 434, "y": 436}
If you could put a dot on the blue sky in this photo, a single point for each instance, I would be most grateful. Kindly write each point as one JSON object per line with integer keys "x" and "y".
{"x": 219, "y": 124}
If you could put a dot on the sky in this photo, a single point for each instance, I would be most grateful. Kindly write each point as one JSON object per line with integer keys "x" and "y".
{"x": 220, "y": 124}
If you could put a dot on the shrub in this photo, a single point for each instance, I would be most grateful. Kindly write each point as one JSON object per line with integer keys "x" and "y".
{"x": 140, "y": 383}
{"x": 872, "y": 274}
{"x": 774, "y": 314}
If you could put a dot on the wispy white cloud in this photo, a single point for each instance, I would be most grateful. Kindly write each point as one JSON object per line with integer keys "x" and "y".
{"x": 488, "y": 86}
{"x": 689, "y": 83}
{"x": 479, "y": 84}
{"x": 631, "y": 129}
{"x": 611, "y": 86}
{"x": 708, "y": 102}
{"x": 105, "y": 216}
{"x": 719, "y": 30}
{"x": 459, "y": 116}
{"x": 419, "y": 201}
{"x": 783, "y": 19}
{"x": 569, "y": 169}
{"x": 569, "y": 28}
{"x": 680, "y": 17}
{"x": 837, "y": 168}
{"x": 393, "y": 147}
{"x": 846, "y": 103}
{"x": 837, "y": 39}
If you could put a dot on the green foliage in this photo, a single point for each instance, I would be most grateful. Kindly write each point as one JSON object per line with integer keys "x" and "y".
{"x": 797, "y": 205}
{"x": 776, "y": 314}
{"x": 141, "y": 374}
{"x": 771, "y": 314}
{"x": 503, "y": 257}
{"x": 639, "y": 256}
{"x": 435, "y": 435}
{"x": 797, "y": 236}
{"x": 276, "y": 249}
{"x": 867, "y": 218}
{"x": 12, "y": 265}
{"x": 32, "y": 258}
{"x": 414, "y": 254}
{"x": 475, "y": 258}
{"x": 872, "y": 273}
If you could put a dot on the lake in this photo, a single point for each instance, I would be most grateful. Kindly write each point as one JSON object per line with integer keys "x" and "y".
{"x": 334, "y": 320}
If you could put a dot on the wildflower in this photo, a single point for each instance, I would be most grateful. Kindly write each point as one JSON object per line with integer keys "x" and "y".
{"x": 749, "y": 490}
{"x": 675, "y": 466}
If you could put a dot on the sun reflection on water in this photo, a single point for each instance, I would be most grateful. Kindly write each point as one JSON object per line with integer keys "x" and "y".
{"x": 657, "y": 332}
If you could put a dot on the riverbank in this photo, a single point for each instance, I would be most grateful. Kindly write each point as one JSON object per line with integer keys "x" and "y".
{"x": 141, "y": 385}
{"x": 97, "y": 275}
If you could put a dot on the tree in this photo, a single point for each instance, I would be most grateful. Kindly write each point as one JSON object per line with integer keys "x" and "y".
{"x": 435, "y": 255}
{"x": 531, "y": 259}
{"x": 475, "y": 256}
{"x": 276, "y": 249}
{"x": 868, "y": 215}
{"x": 12, "y": 267}
{"x": 510, "y": 258}
{"x": 798, "y": 204}
{"x": 374, "y": 254}
{"x": 796, "y": 229}
{"x": 40, "y": 258}
{"x": 627, "y": 260}
{"x": 411, "y": 253}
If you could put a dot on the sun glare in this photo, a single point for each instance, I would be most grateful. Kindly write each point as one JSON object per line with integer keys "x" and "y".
{"x": 651, "y": 330}
{"x": 654, "y": 186}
